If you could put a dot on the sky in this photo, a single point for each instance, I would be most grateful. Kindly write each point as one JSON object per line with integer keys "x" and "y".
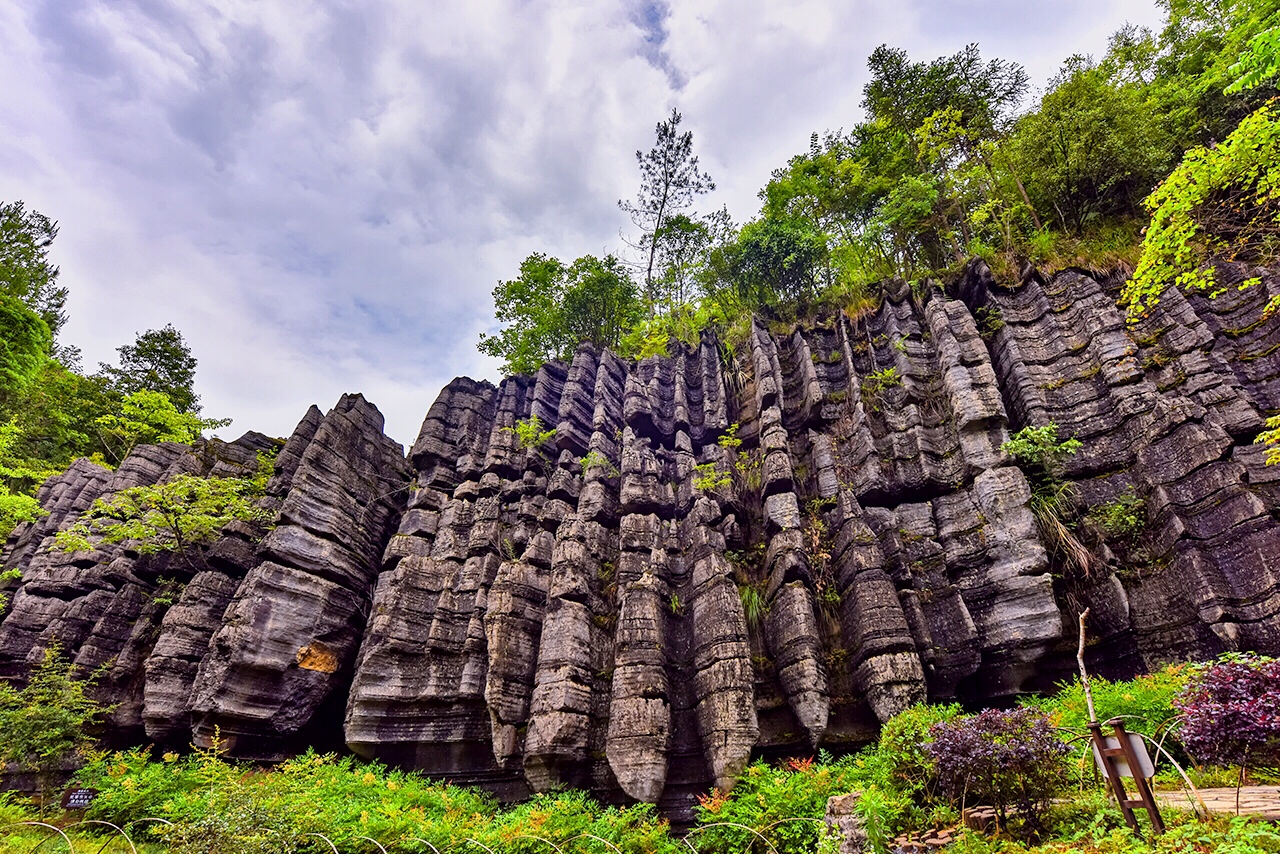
{"x": 322, "y": 196}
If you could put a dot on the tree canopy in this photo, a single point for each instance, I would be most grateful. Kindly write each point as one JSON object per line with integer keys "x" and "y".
{"x": 670, "y": 179}
{"x": 551, "y": 308}
{"x": 158, "y": 360}
{"x": 25, "y": 271}
{"x": 51, "y": 412}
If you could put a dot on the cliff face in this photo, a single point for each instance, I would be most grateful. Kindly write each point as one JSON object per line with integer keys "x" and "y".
{"x": 642, "y": 604}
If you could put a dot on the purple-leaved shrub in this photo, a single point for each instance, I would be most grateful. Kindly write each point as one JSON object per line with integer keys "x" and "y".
{"x": 1008, "y": 759}
{"x": 1230, "y": 713}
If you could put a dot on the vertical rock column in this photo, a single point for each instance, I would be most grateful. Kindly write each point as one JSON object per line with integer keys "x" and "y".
{"x": 190, "y": 624}
{"x": 289, "y": 638}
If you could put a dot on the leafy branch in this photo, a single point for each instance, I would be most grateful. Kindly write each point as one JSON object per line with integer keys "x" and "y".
{"x": 174, "y": 516}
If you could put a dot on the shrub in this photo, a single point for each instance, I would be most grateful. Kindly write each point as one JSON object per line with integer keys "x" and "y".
{"x": 905, "y": 740}
{"x": 1231, "y": 713}
{"x": 1040, "y": 449}
{"x": 1008, "y": 758}
{"x": 785, "y": 803}
{"x": 44, "y": 727}
{"x": 1146, "y": 702}
{"x": 1122, "y": 520}
{"x": 1219, "y": 204}
{"x": 217, "y": 805}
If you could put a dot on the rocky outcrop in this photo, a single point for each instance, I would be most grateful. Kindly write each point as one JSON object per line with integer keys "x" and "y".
{"x": 635, "y": 577}
{"x": 289, "y": 636}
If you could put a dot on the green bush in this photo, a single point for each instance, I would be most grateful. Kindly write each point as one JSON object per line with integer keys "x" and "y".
{"x": 785, "y": 804}
{"x": 902, "y": 743}
{"x": 224, "y": 806}
{"x": 1122, "y": 520}
{"x": 45, "y": 726}
{"x": 1145, "y": 702}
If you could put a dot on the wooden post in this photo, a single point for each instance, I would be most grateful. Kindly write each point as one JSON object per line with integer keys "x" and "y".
{"x": 1107, "y": 755}
{"x": 1111, "y": 769}
{"x": 1112, "y": 775}
{"x": 1145, "y": 797}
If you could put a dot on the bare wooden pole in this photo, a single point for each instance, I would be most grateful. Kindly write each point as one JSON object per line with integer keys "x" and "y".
{"x": 1084, "y": 674}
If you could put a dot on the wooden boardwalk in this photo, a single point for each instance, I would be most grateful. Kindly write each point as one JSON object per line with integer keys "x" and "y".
{"x": 1263, "y": 801}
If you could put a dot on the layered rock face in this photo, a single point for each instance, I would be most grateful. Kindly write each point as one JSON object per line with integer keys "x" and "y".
{"x": 634, "y": 577}
{"x": 253, "y": 636}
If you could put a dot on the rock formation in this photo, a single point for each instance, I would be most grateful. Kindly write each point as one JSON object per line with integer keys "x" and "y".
{"x": 730, "y": 552}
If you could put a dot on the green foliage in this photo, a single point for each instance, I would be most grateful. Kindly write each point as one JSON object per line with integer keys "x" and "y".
{"x": 19, "y": 478}
{"x": 1258, "y": 63}
{"x": 24, "y": 346}
{"x": 175, "y": 516}
{"x": 1093, "y": 149}
{"x": 1271, "y": 436}
{"x": 222, "y": 806}
{"x": 1121, "y": 520}
{"x": 25, "y": 272}
{"x": 1220, "y": 204}
{"x": 1145, "y": 702}
{"x": 529, "y": 433}
{"x": 773, "y": 262}
{"x": 708, "y": 477}
{"x": 597, "y": 460}
{"x": 530, "y": 304}
{"x": 876, "y": 383}
{"x": 46, "y": 725}
{"x": 988, "y": 321}
{"x": 159, "y": 361}
{"x": 682, "y": 324}
{"x": 902, "y": 743}
{"x": 551, "y": 308}
{"x": 786, "y": 804}
{"x": 1040, "y": 449}
{"x": 147, "y": 417}
{"x": 1043, "y": 459}
{"x": 57, "y": 415}
{"x": 754, "y": 606}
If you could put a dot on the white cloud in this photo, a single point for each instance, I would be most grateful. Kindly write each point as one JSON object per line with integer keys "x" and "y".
{"x": 321, "y": 196}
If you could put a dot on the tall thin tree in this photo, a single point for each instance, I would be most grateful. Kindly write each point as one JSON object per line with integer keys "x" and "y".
{"x": 669, "y": 181}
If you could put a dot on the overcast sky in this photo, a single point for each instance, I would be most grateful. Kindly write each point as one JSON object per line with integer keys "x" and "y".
{"x": 322, "y": 196}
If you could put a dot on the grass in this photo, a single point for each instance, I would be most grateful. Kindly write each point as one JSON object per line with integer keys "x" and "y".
{"x": 217, "y": 805}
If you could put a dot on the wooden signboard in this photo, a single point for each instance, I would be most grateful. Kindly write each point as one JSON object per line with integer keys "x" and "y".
{"x": 1137, "y": 748}
{"x": 78, "y": 799}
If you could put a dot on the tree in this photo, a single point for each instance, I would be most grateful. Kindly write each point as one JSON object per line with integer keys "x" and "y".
{"x": 551, "y": 308}
{"x": 905, "y": 93}
{"x": 159, "y": 360}
{"x": 57, "y": 415}
{"x": 599, "y": 302}
{"x": 682, "y": 244}
{"x": 19, "y": 478}
{"x": 24, "y": 346}
{"x": 174, "y": 516}
{"x": 774, "y": 261}
{"x": 530, "y": 306}
{"x": 669, "y": 181}
{"x": 25, "y": 271}
{"x": 147, "y": 417}
{"x": 1093, "y": 148}
{"x": 46, "y": 725}
{"x": 1219, "y": 204}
